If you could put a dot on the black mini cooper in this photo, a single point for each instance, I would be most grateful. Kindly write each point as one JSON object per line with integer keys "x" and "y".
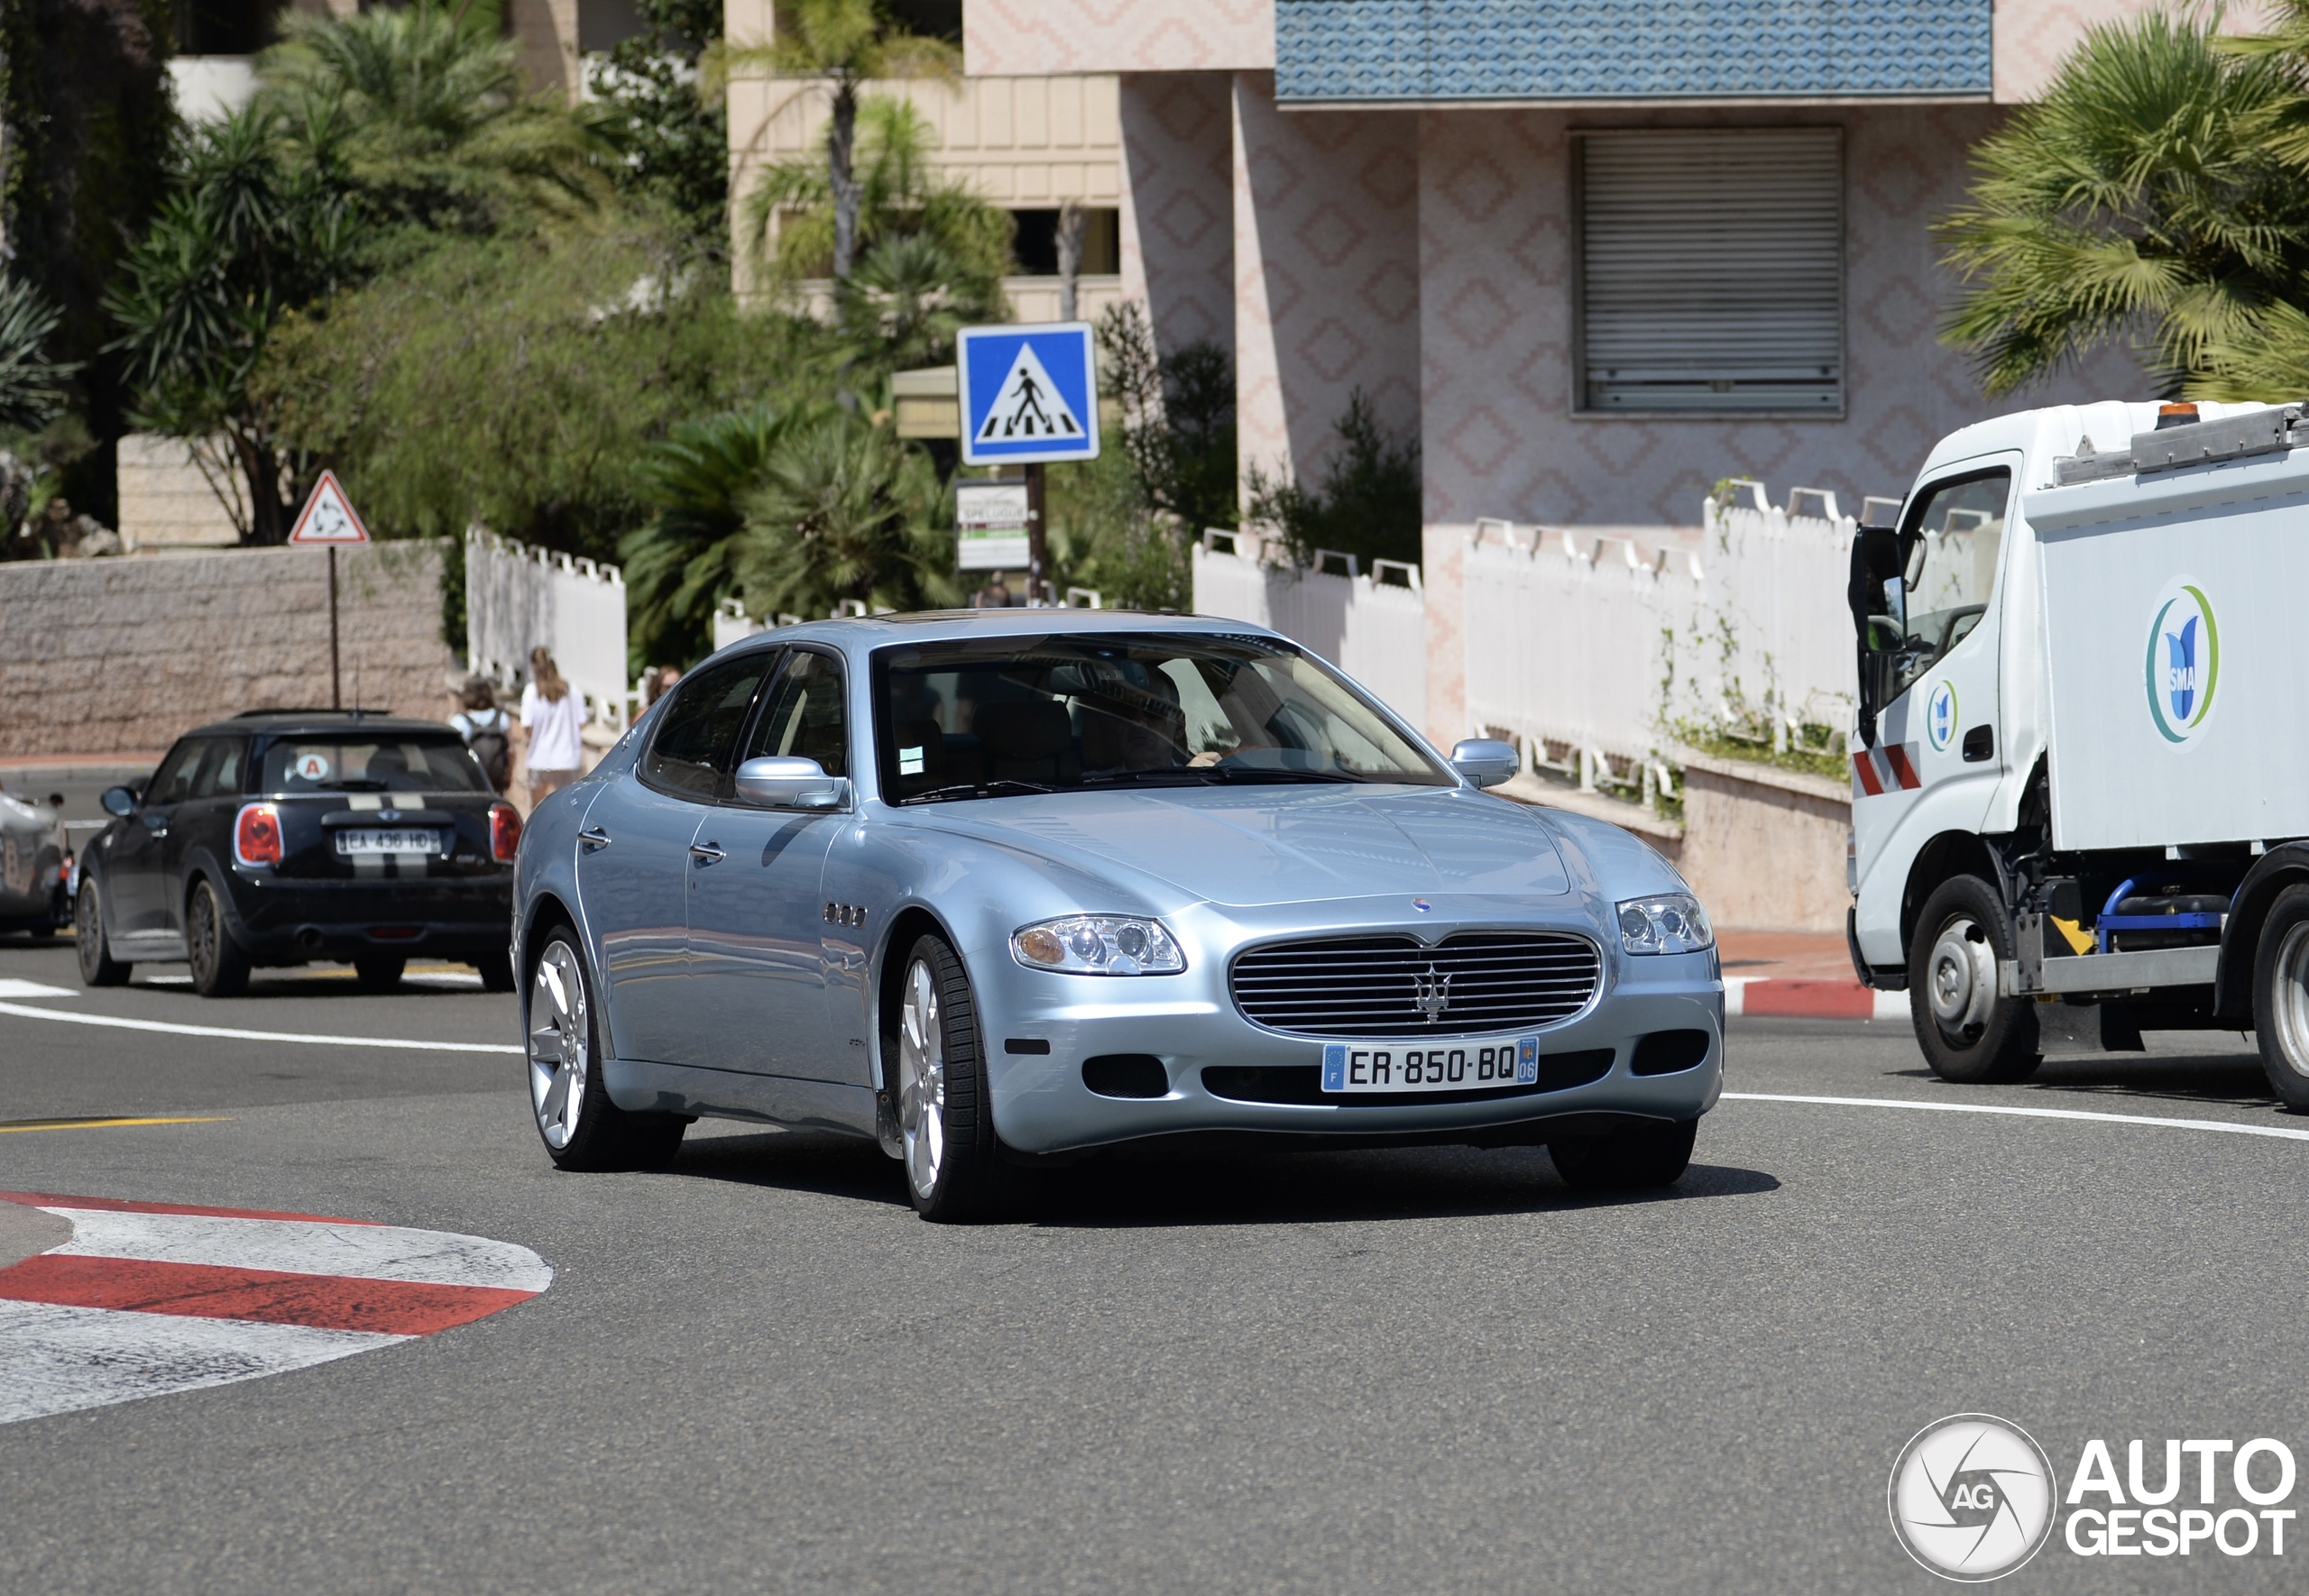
{"x": 286, "y": 836}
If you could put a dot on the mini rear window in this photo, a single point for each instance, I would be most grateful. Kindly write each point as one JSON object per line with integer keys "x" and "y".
{"x": 399, "y": 765}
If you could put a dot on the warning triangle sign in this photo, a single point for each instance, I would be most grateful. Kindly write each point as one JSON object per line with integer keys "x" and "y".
{"x": 327, "y": 517}
{"x": 1029, "y": 406}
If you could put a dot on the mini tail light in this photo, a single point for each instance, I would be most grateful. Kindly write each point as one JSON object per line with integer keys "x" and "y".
{"x": 256, "y": 835}
{"x": 504, "y": 832}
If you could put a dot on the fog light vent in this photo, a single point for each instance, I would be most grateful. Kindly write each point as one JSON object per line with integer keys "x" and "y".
{"x": 1664, "y": 1052}
{"x": 1126, "y": 1075}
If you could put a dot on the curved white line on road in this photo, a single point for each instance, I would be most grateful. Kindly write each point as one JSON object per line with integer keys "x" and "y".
{"x": 235, "y": 1035}
{"x": 2280, "y": 1132}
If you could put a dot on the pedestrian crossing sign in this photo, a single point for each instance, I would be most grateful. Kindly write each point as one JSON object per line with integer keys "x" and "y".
{"x": 1029, "y": 393}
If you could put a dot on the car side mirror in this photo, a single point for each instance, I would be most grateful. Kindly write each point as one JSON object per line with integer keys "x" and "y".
{"x": 790, "y": 782}
{"x": 1486, "y": 760}
{"x": 118, "y": 801}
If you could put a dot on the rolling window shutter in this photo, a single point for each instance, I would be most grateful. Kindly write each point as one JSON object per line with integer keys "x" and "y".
{"x": 1712, "y": 270}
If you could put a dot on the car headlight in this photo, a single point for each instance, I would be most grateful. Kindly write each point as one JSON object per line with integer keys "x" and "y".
{"x": 1098, "y": 945}
{"x": 1666, "y": 923}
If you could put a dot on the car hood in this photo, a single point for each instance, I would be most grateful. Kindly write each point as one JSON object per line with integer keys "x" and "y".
{"x": 1277, "y": 844}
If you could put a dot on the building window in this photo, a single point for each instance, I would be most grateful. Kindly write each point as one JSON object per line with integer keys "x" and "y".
{"x": 1034, "y": 246}
{"x": 1711, "y": 271}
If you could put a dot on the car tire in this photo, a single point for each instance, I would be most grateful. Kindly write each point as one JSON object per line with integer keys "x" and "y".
{"x": 98, "y": 968}
{"x": 220, "y": 965}
{"x": 2281, "y": 996}
{"x": 1969, "y": 1034}
{"x": 378, "y": 972}
{"x": 569, "y": 1104}
{"x": 1641, "y": 1158}
{"x": 496, "y": 972}
{"x": 944, "y": 1112}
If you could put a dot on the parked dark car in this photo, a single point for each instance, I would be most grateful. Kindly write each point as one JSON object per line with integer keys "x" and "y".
{"x": 33, "y": 862}
{"x": 282, "y": 837}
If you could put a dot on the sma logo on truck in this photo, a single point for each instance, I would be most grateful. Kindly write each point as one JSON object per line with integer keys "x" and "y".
{"x": 2184, "y": 663}
{"x": 1940, "y": 716}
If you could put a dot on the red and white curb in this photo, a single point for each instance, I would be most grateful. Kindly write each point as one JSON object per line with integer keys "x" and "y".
{"x": 1794, "y": 998}
{"x": 147, "y": 1298}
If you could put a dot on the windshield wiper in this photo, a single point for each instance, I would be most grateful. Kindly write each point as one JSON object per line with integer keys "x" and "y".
{"x": 1257, "y": 773}
{"x": 1197, "y": 774}
{"x": 994, "y": 789}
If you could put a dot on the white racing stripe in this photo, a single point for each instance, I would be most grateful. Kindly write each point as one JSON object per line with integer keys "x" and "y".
{"x": 63, "y": 1359}
{"x": 302, "y": 1039}
{"x": 298, "y": 1246}
{"x": 2280, "y": 1132}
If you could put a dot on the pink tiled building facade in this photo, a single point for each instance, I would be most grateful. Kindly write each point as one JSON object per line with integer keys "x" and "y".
{"x": 1594, "y": 265}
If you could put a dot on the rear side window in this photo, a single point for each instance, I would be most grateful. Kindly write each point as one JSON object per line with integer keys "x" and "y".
{"x": 396, "y": 765}
{"x": 219, "y": 775}
{"x": 697, "y": 737}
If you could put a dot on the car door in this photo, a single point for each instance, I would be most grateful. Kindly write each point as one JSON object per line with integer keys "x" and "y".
{"x": 756, "y": 911}
{"x": 136, "y": 859}
{"x": 1940, "y": 750}
{"x": 203, "y": 823}
{"x": 633, "y": 856}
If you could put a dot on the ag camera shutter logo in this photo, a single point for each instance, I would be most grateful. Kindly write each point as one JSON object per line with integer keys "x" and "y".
{"x": 2183, "y": 668}
{"x": 1971, "y": 1498}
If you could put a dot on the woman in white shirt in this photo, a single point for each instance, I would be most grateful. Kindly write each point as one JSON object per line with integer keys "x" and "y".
{"x": 552, "y": 716}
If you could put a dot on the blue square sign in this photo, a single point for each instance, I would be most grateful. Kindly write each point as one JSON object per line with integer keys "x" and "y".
{"x": 1029, "y": 393}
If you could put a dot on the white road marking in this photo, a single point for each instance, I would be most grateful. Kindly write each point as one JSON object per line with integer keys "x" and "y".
{"x": 2281, "y": 1132}
{"x": 63, "y": 1359}
{"x": 9, "y": 986}
{"x": 303, "y": 1038}
{"x": 300, "y": 1246}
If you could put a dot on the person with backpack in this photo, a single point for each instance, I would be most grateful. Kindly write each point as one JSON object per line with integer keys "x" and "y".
{"x": 488, "y": 731}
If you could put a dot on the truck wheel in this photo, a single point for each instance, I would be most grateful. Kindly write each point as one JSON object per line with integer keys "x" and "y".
{"x": 1968, "y": 1033}
{"x": 2281, "y": 996}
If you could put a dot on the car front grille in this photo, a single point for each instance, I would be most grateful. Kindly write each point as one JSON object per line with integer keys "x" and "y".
{"x": 1474, "y": 984}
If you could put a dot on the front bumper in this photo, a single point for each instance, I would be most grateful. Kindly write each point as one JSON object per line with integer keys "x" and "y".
{"x": 1190, "y": 1022}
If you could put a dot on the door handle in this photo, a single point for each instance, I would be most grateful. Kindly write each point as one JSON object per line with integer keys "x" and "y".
{"x": 707, "y": 853}
{"x": 592, "y": 838}
{"x": 158, "y": 828}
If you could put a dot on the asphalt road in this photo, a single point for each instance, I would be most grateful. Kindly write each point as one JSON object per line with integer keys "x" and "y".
{"x": 1419, "y": 1370}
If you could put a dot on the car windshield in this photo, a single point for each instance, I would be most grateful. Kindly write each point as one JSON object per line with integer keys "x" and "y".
{"x": 986, "y": 717}
{"x": 398, "y": 764}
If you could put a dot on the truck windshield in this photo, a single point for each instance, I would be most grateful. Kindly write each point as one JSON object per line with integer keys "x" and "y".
{"x": 1959, "y": 526}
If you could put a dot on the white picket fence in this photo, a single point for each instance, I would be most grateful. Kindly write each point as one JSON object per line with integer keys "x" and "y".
{"x": 1372, "y": 625}
{"x": 1596, "y": 645}
{"x": 518, "y": 597}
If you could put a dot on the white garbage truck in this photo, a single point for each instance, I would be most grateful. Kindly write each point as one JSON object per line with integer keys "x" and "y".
{"x": 2081, "y": 755}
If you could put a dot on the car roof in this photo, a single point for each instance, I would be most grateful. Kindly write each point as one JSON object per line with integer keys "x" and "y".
{"x": 319, "y": 723}
{"x": 859, "y": 633}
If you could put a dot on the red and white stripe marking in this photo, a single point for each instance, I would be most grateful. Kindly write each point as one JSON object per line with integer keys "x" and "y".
{"x": 1808, "y": 998}
{"x": 1887, "y": 769}
{"x": 151, "y": 1297}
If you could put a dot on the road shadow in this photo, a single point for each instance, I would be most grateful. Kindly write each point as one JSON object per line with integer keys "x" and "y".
{"x": 1134, "y": 1189}
{"x": 2229, "y": 1079}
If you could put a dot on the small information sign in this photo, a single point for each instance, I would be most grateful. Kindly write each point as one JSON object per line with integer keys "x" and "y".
{"x": 991, "y": 524}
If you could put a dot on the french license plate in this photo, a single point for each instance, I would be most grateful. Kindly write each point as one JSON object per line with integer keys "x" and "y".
{"x": 1380, "y": 1067}
{"x": 378, "y": 841}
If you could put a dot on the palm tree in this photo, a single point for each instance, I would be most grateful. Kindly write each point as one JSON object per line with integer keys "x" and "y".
{"x": 2158, "y": 192}
{"x": 246, "y": 235}
{"x": 903, "y": 306}
{"x": 848, "y": 43}
{"x": 423, "y": 109}
{"x": 32, "y": 385}
{"x": 679, "y": 566}
{"x": 845, "y": 511}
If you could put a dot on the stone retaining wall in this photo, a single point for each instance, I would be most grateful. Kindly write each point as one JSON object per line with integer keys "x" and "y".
{"x": 1764, "y": 848}
{"x": 124, "y": 655}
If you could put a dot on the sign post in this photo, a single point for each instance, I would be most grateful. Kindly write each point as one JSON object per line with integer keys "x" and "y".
{"x": 329, "y": 522}
{"x": 1030, "y": 395}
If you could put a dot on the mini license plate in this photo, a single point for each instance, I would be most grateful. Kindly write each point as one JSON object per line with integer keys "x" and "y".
{"x": 379, "y": 841}
{"x": 1380, "y": 1067}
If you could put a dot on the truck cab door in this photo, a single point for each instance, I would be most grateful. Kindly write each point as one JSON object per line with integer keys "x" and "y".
{"x": 1939, "y": 753}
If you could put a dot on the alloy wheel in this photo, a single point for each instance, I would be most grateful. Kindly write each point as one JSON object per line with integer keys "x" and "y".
{"x": 560, "y": 1040}
{"x": 202, "y": 953}
{"x": 922, "y": 1079}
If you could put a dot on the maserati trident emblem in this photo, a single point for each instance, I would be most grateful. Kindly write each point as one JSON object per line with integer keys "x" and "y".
{"x": 1432, "y": 993}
